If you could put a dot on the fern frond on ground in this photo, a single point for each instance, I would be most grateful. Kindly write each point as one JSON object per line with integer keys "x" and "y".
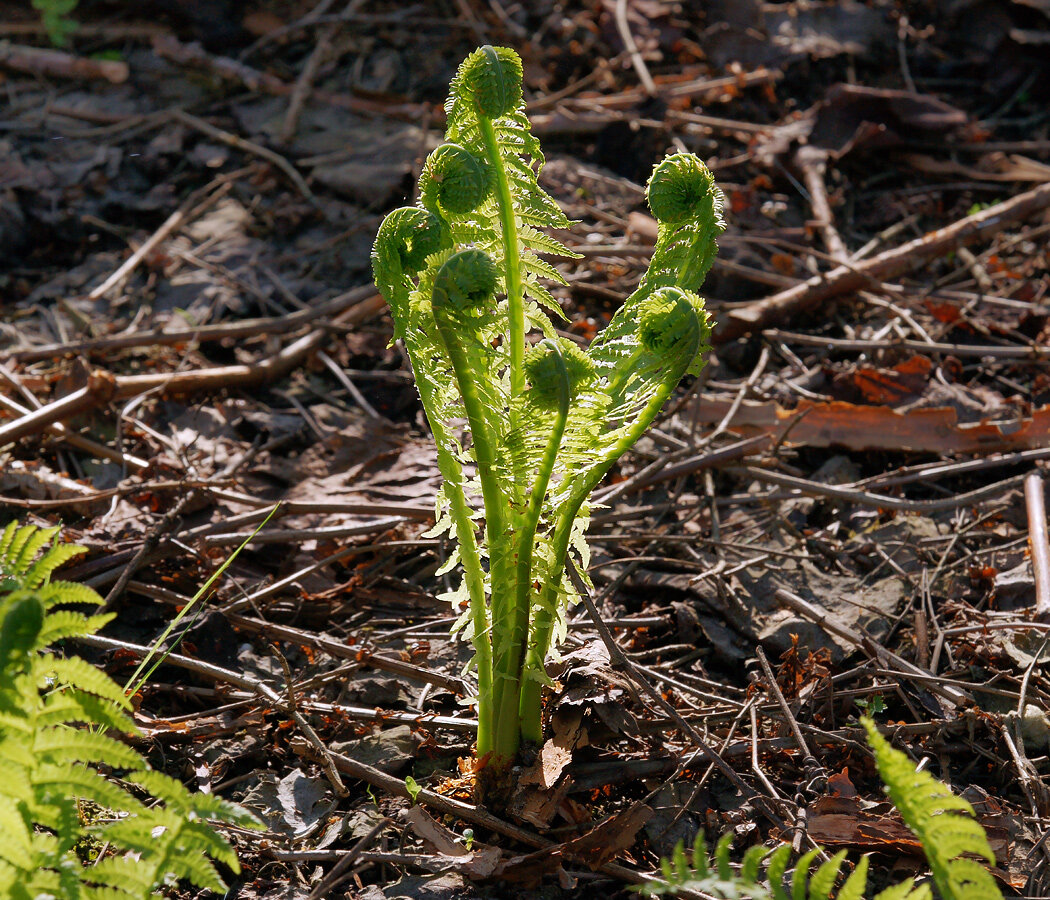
{"x": 943, "y": 822}
{"x": 48, "y": 764}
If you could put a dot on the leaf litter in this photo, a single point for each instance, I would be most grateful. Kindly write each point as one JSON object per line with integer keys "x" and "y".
{"x": 842, "y": 490}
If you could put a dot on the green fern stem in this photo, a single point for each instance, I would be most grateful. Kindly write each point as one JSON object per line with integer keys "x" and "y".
{"x": 511, "y": 263}
{"x": 530, "y": 708}
{"x": 510, "y": 700}
{"x": 474, "y": 577}
{"x": 461, "y": 282}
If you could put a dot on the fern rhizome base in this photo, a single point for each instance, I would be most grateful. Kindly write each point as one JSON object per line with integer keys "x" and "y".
{"x": 464, "y": 277}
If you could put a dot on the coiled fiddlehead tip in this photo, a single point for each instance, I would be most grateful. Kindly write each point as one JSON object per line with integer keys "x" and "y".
{"x": 465, "y": 282}
{"x": 455, "y": 178}
{"x": 493, "y": 76}
{"x": 412, "y": 234}
{"x": 544, "y": 374}
{"x": 682, "y": 188}
{"x": 670, "y": 322}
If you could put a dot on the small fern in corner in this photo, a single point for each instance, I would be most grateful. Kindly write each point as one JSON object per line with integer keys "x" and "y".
{"x": 49, "y": 766}
{"x": 944, "y": 824}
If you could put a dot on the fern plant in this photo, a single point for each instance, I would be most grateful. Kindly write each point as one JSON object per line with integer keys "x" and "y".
{"x": 55, "y": 16}
{"x": 463, "y": 275}
{"x": 944, "y": 824}
{"x": 146, "y": 830}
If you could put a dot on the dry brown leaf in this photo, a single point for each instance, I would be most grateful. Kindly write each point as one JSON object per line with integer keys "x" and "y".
{"x": 609, "y": 839}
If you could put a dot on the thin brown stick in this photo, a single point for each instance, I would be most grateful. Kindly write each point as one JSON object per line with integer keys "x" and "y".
{"x": 60, "y": 64}
{"x": 175, "y": 221}
{"x": 264, "y": 371}
{"x": 813, "y": 163}
{"x": 881, "y": 501}
{"x": 815, "y": 775}
{"x": 221, "y": 331}
{"x": 305, "y": 83}
{"x": 1038, "y": 544}
{"x": 624, "y": 27}
{"x": 100, "y": 451}
{"x": 842, "y": 279}
{"x": 233, "y": 140}
{"x": 991, "y": 351}
{"x": 100, "y": 389}
{"x": 950, "y": 693}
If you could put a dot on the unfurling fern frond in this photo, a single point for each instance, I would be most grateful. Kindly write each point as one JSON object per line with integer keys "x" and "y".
{"x": 48, "y": 765}
{"x": 465, "y": 281}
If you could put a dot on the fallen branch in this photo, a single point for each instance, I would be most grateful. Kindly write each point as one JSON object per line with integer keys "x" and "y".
{"x": 99, "y": 389}
{"x": 219, "y": 332}
{"x": 1039, "y": 548}
{"x": 272, "y": 368}
{"x": 745, "y": 320}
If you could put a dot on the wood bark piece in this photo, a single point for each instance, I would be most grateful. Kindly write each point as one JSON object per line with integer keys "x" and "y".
{"x": 100, "y": 389}
{"x": 779, "y": 307}
{"x": 836, "y": 423}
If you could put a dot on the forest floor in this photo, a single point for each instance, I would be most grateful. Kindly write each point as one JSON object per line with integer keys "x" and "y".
{"x": 831, "y": 520}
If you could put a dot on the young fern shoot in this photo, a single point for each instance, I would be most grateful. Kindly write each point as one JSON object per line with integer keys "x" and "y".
{"x": 463, "y": 276}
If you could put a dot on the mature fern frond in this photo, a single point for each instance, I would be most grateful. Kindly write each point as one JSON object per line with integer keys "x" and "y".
{"x": 943, "y": 822}
{"x": 47, "y": 765}
{"x": 715, "y": 875}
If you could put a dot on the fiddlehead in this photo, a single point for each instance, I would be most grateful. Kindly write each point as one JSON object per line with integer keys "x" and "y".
{"x": 405, "y": 239}
{"x": 681, "y": 189}
{"x": 668, "y": 324}
{"x": 465, "y": 283}
{"x": 453, "y": 180}
{"x": 491, "y": 77}
{"x": 549, "y": 365}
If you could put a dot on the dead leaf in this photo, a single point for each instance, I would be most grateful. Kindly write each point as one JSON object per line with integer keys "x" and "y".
{"x": 610, "y": 838}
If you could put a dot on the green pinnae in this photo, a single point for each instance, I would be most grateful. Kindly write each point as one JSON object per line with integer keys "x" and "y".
{"x": 465, "y": 282}
{"x": 455, "y": 179}
{"x": 493, "y": 76}
{"x": 668, "y": 322}
{"x": 680, "y": 188}
{"x": 544, "y": 373}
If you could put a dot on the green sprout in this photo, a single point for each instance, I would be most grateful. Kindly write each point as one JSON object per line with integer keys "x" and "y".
{"x": 464, "y": 278}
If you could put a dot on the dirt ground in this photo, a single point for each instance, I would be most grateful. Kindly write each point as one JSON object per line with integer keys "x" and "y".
{"x": 831, "y": 520}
